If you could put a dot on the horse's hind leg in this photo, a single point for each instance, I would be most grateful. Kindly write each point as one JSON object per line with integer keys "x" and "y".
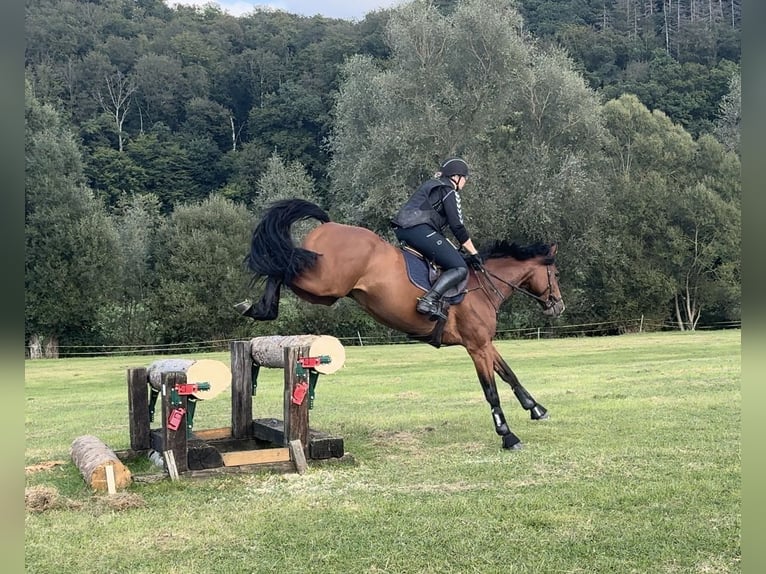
{"x": 527, "y": 401}
{"x": 483, "y": 364}
{"x": 267, "y": 308}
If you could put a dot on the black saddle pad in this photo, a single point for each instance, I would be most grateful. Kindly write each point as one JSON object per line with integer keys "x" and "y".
{"x": 422, "y": 274}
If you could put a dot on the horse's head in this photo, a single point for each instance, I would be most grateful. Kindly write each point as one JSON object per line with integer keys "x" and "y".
{"x": 543, "y": 283}
{"x": 534, "y": 274}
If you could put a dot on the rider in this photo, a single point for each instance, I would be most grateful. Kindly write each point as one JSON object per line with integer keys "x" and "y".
{"x": 421, "y": 221}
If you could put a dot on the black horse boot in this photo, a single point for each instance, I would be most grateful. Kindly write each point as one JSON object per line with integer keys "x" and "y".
{"x": 430, "y": 303}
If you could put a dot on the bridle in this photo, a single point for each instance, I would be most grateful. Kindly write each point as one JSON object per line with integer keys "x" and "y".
{"x": 485, "y": 276}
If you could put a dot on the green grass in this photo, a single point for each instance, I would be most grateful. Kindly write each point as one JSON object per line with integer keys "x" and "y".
{"x": 636, "y": 471}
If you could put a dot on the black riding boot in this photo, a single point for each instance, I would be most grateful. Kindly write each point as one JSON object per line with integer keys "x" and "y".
{"x": 429, "y": 304}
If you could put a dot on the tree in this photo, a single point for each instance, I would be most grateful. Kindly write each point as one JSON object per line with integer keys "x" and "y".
{"x": 199, "y": 268}
{"x": 163, "y": 89}
{"x": 113, "y": 175}
{"x": 289, "y": 123}
{"x": 470, "y": 89}
{"x": 205, "y": 118}
{"x": 71, "y": 245}
{"x": 675, "y": 220}
{"x": 115, "y": 101}
{"x": 128, "y": 319}
{"x": 471, "y": 84}
{"x": 282, "y": 181}
{"x": 168, "y": 166}
{"x": 444, "y": 87}
{"x": 729, "y": 115}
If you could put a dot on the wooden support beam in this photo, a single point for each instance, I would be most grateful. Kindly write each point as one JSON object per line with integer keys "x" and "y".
{"x": 174, "y": 440}
{"x": 138, "y": 408}
{"x": 241, "y": 389}
{"x": 296, "y": 415}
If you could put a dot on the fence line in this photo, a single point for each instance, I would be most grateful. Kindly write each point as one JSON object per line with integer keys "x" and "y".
{"x": 602, "y": 328}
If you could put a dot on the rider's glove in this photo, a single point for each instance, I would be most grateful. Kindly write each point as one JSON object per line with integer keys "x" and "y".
{"x": 474, "y": 260}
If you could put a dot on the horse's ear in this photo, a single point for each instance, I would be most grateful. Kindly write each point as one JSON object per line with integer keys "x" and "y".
{"x": 554, "y": 248}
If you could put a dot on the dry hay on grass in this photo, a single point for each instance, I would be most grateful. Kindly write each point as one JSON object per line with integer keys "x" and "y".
{"x": 404, "y": 440}
{"x": 122, "y": 501}
{"x": 41, "y": 498}
{"x": 47, "y": 465}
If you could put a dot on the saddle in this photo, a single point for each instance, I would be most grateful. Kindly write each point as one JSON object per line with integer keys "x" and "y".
{"x": 422, "y": 274}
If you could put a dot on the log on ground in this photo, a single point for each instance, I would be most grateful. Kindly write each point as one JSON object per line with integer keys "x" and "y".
{"x": 92, "y": 457}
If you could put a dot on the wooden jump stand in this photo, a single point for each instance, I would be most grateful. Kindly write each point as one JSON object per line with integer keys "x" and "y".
{"x": 248, "y": 445}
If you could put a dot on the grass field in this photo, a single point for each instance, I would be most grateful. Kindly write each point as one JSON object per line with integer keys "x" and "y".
{"x": 636, "y": 471}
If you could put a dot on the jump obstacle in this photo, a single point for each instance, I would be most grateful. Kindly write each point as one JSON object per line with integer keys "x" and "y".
{"x": 249, "y": 444}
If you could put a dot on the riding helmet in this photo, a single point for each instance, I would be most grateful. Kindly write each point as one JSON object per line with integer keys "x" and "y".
{"x": 454, "y": 166}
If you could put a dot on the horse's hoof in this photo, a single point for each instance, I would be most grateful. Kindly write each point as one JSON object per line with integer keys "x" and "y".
{"x": 512, "y": 442}
{"x": 243, "y": 307}
{"x": 538, "y": 413}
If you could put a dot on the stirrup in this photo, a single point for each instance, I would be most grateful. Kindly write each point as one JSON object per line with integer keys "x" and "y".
{"x": 434, "y": 309}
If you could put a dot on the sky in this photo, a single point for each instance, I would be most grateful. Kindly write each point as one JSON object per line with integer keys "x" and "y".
{"x": 348, "y": 9}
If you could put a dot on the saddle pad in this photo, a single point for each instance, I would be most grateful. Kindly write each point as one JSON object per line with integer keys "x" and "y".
{"x": 419, "y": 271}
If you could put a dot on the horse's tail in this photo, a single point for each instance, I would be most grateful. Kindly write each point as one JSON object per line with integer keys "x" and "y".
{"x": 273, "y": 254}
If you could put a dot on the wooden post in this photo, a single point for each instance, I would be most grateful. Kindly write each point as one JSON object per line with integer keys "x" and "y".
{"x": 138, "y": 409}
{"x": 241, "y": 389}
{"x": 296, "y": 416}
{"x": 174, "y": 440}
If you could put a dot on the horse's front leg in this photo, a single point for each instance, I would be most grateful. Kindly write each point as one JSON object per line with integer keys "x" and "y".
{"x": 483, "y": 362}
{"x": 527, "y": 401}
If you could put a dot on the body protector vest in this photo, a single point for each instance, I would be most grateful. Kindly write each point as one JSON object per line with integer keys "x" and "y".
{"x": 425, "y": 206}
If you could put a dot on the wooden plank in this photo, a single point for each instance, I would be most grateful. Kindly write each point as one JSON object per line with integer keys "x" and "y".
{"x": 170, "y": 464}
{"x": 111, "y": 485}
{"x": 264, "y": 455}
{"x": 298, "y": 456}
{"x": 212, "y": 434}
{"x": 138, "y": 408}
{"x": 241, "y": 389}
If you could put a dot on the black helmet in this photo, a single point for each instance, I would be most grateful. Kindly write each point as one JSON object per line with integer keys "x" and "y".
{"x": 454, "y": 166}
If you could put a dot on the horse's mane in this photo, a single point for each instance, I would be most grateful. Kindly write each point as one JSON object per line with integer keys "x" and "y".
{"x": 519, "y": 252}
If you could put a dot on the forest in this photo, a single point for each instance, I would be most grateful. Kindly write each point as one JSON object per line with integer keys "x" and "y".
{"x": 155, "y": 137}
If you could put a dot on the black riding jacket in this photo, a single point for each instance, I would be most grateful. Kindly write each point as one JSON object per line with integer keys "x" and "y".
{"x": 437, "y": 204}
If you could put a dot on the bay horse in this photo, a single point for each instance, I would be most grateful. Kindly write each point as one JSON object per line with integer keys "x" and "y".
{"x": 336, "y": 260}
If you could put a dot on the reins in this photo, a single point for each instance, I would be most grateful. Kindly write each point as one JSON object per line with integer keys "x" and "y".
{"x": 484, "y": 277}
